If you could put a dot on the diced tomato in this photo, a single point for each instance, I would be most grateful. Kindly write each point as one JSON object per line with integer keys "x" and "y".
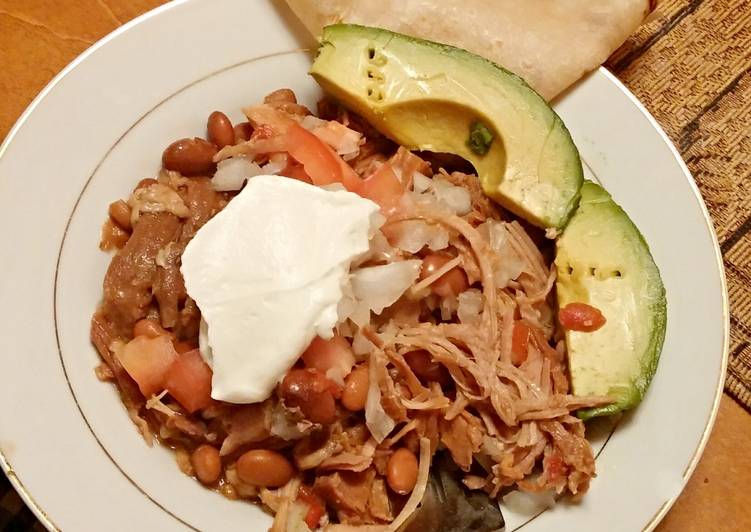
{"x": 278, "y": 132}
{"x": 189, "y": 381}
{"x": 315, "y": 506}
{"x": 450, "y": 284}
{"x": 320, "y": 163}
{"x": 581, "y": 317}
{"x": 554, "y": 465}
{"x": 147, "y": 361}
{"x": 520, "y": 343}
{"x": 296, "y": 171}
{"x": 313, "y": 517}
{"x": 324, "y": 355}
{"x": 350, "y": 179}
{"x": 383, "y": 187}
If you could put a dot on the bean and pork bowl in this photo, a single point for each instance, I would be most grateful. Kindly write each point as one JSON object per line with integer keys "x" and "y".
{"x": 340, "y": 315}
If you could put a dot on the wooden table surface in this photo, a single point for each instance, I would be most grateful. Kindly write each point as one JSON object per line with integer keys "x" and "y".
{"x": 39, "y": 37}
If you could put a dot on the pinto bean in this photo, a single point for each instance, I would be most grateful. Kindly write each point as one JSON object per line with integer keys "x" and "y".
{"x": 190, "y": 157}
{"x": 312, "y": 392}
{"x": 355, "y": 393}
{"x": 401, "y": 471}
{"x": 207, "y": 463}
{"x": 219, "y": 130}
{"x": 119, "y": 211}
{"x": 264, "y": 468}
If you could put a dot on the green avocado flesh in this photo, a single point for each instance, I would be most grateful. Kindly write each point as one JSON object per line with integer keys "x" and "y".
{"x": 603, "y": 260}
{"x": 433, "y": 97}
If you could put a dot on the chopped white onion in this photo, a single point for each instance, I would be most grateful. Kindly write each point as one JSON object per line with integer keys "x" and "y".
{"x": 470, "y": 306}
{"x": 380, "y": 250}
{"x": 277, "y": 163}
{"x": 379, "y": 423}
{"x": 455, "y": 197}
{"x": 377, "y": 219}
{"x": 448, "y": 306}
{"x": 420, "y": 182}
{"x": 285, "y": 428}
{"x": 344, "y": 140}
{"x": 296, "y": 518}
{"x": 311, "y": 122}
{"x": 528, "y": 504}
{"x": 336, "y": 374}
{"x": 232, "y": 173}
{"x": 430, "y": 190}
{"x": 413, "y": 235}
{"x": 347, "y": 306}
{"x": 508, "y": 265}
{"x": 376, "y": 287}
{"x": 361, "y": 345}
{"x": 360, "y": 315}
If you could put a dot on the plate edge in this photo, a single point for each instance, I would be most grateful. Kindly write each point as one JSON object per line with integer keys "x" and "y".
{"x": 688, "y": 471}
{"x": 5, "y": 464}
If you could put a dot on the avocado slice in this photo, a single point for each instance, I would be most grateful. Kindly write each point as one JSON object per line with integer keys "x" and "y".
{"x": 434, "y": 97}
{"x": 603, "y": 260}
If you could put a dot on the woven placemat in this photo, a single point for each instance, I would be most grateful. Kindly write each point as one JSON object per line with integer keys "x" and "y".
{"x": 691, "y": 66}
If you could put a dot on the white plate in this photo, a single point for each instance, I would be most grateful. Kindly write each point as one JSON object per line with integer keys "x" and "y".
{"x": 65, "y": 440}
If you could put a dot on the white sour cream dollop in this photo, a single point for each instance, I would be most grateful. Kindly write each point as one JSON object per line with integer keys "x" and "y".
{"x": 267, "y": 273}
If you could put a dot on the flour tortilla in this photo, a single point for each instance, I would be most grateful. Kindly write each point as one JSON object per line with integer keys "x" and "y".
{"x": 549, "y": 43}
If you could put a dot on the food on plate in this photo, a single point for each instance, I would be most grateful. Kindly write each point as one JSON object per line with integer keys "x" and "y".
{"x": 549, "y": 43}
{"x": 349, "y": 333}
{"x": 602, "y": 260}
{"x": 428, "y": 96}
